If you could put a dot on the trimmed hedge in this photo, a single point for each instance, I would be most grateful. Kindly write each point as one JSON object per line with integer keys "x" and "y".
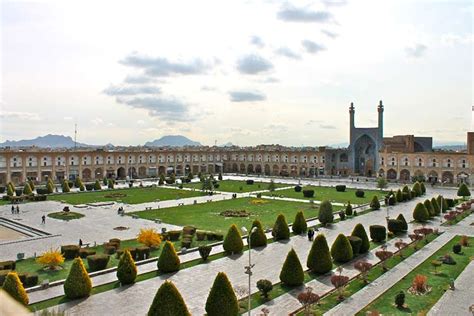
{"x": 360, "y": 193}
{"x": 168, "y": 261}
{"x": 84, "y": 253}
{"x": 308, "y": 193}
{"x": 298, "y": 188}
{"x": 341, "y": 249}
{"x": 221, "y": 300}
{"x": 70, "y": 251}
{"x": 378, "y": 233}
{"x": 168, "y": 302}
{"x": 98, "y": 262}
{"x": 299, "y": 225}
{"x": 340, "y": 188}
{"x": 292, "y": 272}
{"x": 319, "y": 258}
{"x": 356, "y": 243}
{"x": 8, "y": 265}
{"x": 233, "y": 241}
{"x": 395, "y": 226}
{"x": 77, "y": 284}
{"x": 280, "y": 229}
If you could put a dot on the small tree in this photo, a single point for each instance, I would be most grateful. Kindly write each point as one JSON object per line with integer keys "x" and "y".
{"x": 271, "y": 186}
{"x": 65, "y": 186}
{"x": 126, "y": 270}
{"x": 280, "y": 228}
{"x": 423, "y": 188}
{"x": 399, "y": 196}
{"x": 265, "y": 287}
{"x": 172, "y": 178}
{"x": 168, "y": 261}
{"x": 325, "y": 215}
{"x": 292, "y": 272}
{"x": 339, "y": 282}
{"x": 400, "y": 300}
{"x": 27, "y": 189}
{"x": 359, "y": 231}
{"x": 205, "y": 251}
{"x": 307, "y": 298}
{"x": 299, "y": 225}
{"x": 105, "y": 181}
{"x": 219, "y": 177}
{"x": 400, "y": 245}
{"x": 258, "y": 238}
{"x": 383, "y": 255}
{"x": 77, "y": 284}
{"x": 381, "y": 183}
{"x": 463, "y": 191}
{"x": 233, "y": 241}
{"x": 341, "y": 249}
{"x": 319, "y": 258}
{"x": 149, "y": 237}
{"x": 168, "y": 302}
{"x": 52, "y": 259}
{"x": 375, "y": 203}
{"x": 110, "y": 184}
{"x": 404, "y": 224}
{"x": 50, "y": 187}
{"x": 97, "y": 185}
{"x": 161, "y": 181}
{"x": 349, "y": 209}
{"x": 420, "y": 213}
{"x": 13, "y": 286}
{"x": 222, "y": 300}
{"x": 32, "y": 184}
{"x": 436, "y": 264}
{"x": 363, "y": 267}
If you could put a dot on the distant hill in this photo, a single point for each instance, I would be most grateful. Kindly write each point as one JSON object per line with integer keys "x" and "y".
{"x": 51, "y": 141}
{"x": 172, "y": 141}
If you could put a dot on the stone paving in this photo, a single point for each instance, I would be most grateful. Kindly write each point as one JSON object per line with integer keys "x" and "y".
{"x": 195, "y": 283}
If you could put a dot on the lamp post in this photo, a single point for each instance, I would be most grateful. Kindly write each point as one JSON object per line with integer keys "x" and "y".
{"x": 248, "y": 269}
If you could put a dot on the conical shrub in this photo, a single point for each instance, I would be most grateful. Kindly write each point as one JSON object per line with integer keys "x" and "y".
{"x": 77, "y": 284}
{"x": 258, "y": 238}
{"x": 404, "y": 223}
{"x": 399, "y": 196}
{"x": 292, "y": 272}
{"x": 420, "y": 213}
{"x": 319, "y": 258}
{"x": 417, "y": 189}
{"x": 14, "y": 287}
{"x": 464, "y": 191}
{"x": 299, "y": 225}
{"x": 168, "y": 261}
{"x": 280, "y": 229}
{"x": 375, "y": 203}
{"x": 168, "y": 302}
{"x": 429, "y": 208}
{"x": 222, "y": 300}
{"x": 436, "y": 208}
{"x": 97, "y": 185}
{"x": 359, "y": 231}
{"x": 349, "y": 210}
{"x": 126, "y": 270}
{"x": 65, "y": 187}
{"x": 27, "y": 189}
{"x": 233, "y": 241}
{"x": 423, "y": 188}
{"x": 341, "y": 250}
{"x": 325, "y": 215}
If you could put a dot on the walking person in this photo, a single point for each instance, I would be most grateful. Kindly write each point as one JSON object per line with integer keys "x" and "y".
{"x": 17, "y": 209}
{"x": 310, "y": 234}
{"x": 13, "y": 209}
{"x": 43, "y": 219}
{"x": 80, "y": 243}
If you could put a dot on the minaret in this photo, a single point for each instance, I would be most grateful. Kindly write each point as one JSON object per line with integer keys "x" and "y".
{"x": 352, "y": 120}
{"x": 380, "y": 110}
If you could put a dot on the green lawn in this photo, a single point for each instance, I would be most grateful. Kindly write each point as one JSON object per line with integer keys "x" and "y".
{"x": 439, "y": 283}
{"x": 129, "y": 196}
{"x": 328, "y": 193}
{"x": 206, "y": 216}
{"x": 30, "y": 265}
{"x": 65, "y": 216}
{"x": 237, "y": 186}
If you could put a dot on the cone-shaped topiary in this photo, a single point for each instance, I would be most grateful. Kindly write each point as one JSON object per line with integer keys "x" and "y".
{"x": 97, "y": 185}
{"x": 168, "y": 302}
{"x": 77, "y": 284}
{"x": 464, "y": 191}
{"x": 65, "y": 187}
{"x": 50, "y": 187}
{"x": 399, "y": 196}
{"x": 319, "y": 258}
{"x": 341, "y": 249}
{"x": 423, "y": 188}
{"x": 359, "y": 231}
{"x": 375, "y": 204}
{"x": 299, "y": 225}
{"x": 349, "y": 209}
{"x": 233, "y": 241}
{"x": 420, "y": 213}
{"x": 436, "y": 208}
{"x": 280, "y": 229}
{"x": 325, "y": 215}
{"x": 126, "y": 270}
{"x": 417, "y": 189}
{"x": 168, "y": 261}
{"x": 10, "y": 190}
{"x": 429, "y": 208}
{"x": 14, "y": 287}
{"x": 222, "y": 300}
{"x": 401, "y": 218}
{"x": 292, "y": 272}
{"x": 27, "y": 189}
{"x": 32, "y": 185}
{"x": 258, "y": 238}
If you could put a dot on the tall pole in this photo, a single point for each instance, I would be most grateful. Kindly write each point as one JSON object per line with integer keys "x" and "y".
{"x": 250, "y": 274}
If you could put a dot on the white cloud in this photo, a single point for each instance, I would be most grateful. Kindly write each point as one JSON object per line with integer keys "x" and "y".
{"x": 253, "y": 64}
{"x": 416, "y": 51}
{"x": 28, "y": 116}
{"x": 312, "y": 47}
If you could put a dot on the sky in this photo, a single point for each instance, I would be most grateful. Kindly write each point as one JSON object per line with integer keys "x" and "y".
{"x": 245, "y": 72}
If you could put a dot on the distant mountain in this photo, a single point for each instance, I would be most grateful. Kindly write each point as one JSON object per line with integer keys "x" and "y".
{"x": 51, "y": 141}
{"x": 229, "y": 144}
{"x": 172, "y": 141}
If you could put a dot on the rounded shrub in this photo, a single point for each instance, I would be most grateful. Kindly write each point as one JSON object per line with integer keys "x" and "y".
{"x": 359, "y": 231}
{"x": 298, "y": 188}
{"x": 77, "y": 284}
{"x": 420, "y": 213}
{"x": 348, "y": 209}
{"x": 126, "y": 270}
{"x": 14, "y": 287}
{"x": 395, "y": 226}
{"x": 325, "y": 215}
{"x": 168, "y": 261}
{"x": 457, "y": 248}
{"x": 280, "y": 229}
{"x": 222, "y": 300}
{"x": 341, "y": 249}
{"x": 70, "y": 251}
{"x": 319, "y": 258}
{"x": 299, "y": 225}
{"x": 340, "y": 188}
{"x": 360, "y": 193}
{"x": 400, "y": 299}
{"x": 233, "y": 241}
{"x": 292, "y": 272}
{"x": 356, "y": 243}
{"x": 463, "y": 191}
{"x": 378, "y": 233}
{"x": 404, "y": 223}
{"x": 258, "y": 238}
{"x": 168, "y": 302}
{"x": 97, "y": 262}
{"x": 375, "y": 203}
{"x": 308, "y": 193}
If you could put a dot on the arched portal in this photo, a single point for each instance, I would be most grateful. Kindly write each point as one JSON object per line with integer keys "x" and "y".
{"x": 448, "y": 177}
{"x": 86, "y": 174}
{"x": 258, "y": 169}
{"x": 250, "y": 168}
{"x": 99, "y": 173}
{"x": 267, "y": 170}
{"x": 142, "y": 172}
{"x": 365, "y": 155}
{"x": 405, "y": 175}
{"x": 391, "y": 174}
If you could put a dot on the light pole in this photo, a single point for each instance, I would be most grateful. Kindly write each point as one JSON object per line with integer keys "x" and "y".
{"x": 248, "y": 269}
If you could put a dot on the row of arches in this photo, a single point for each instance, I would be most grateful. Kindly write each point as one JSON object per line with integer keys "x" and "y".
{"x": 267, "y": 169}
{"x": 432, "y": 176}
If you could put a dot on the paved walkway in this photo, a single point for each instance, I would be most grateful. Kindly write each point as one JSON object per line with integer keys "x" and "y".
{"x": 195, "y": 283}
